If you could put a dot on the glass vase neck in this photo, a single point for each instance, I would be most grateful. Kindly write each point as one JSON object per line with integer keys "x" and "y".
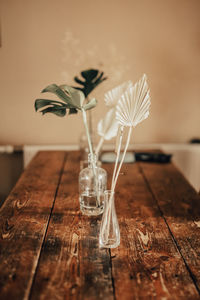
{"x": 92, "y": 160}
{"x": 109, "y": 236}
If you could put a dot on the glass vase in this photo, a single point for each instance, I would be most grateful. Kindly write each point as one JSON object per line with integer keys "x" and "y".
{"x": 92, "y": 184}
{"x": 109, "y": 236}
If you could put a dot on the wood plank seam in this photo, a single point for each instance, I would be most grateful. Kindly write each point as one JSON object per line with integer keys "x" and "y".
{"x": 172, "y": 236}
{"x": 56, "y": 192}
{"x": 112, "y": 277}
{"x": 78, "y": 267}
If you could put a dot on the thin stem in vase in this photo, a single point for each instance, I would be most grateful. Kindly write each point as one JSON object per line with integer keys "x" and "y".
{"x": 90, "y": 127}
{"x": 118, "y": 147}
{"x": 123, "y": 157}
{"x": 117, "y": 174}
{"x": 91, "y": 152}
{"x": 99, "y": 146}
{"x": 106, "y": 225}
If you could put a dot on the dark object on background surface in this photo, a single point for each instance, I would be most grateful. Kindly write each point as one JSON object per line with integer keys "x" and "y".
{"x": 11, "y": 168}
{"x": 92, "y": 78}
{"x": 131, "y": 157}
{"x": 153, "y": 157}
{"x": 195, "y": 141}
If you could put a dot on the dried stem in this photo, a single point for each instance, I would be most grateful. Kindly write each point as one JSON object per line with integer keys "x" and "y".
{"x": 122, "y": 159}
{"x": 87, "y": 132}
{"x": 119, "y": 142}
{"x": 91, "y": 152}
{"x": 114, "y": 181}
{"x": 99, "y": 146}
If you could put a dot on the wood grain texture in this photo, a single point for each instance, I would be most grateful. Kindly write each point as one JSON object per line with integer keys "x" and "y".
{"x": 49, "y": 250}
{"x": 23, "y": 222}
{"x": 71, "y": 264}
{"x": 180, "y": 206}
{"x": 147, "y": 264}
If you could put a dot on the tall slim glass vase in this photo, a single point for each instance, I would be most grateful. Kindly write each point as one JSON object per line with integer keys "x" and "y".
{"x": 109, "y": 236}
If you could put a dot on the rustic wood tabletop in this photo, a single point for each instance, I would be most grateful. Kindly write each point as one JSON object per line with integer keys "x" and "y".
{"x": 49, "y": 250}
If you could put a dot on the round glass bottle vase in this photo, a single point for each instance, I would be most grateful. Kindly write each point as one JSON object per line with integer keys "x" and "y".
{"x": 92, "y": 184}
{"x": 109, "y": 236}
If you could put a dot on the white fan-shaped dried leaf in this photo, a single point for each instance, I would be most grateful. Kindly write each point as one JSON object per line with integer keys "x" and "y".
{"x": 112, "y": 97}
{"x": 133, "y": 107}
{"x": 108, "y": 126}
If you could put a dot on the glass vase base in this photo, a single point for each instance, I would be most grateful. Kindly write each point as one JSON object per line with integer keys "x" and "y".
{"x": 109, "y": 244}
{"x": 91, "y": 211}
{"x": 89, "y": 206}
{"x": 109, "y": 236}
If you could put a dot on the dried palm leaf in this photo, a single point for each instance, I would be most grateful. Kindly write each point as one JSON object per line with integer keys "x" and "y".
{"x": 133, "y": 107}
{"x": 112, "y": 97}
{"x": 107, "y": 128}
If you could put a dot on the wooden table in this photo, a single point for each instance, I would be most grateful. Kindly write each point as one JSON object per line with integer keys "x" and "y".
{"x": 48, "y": 250}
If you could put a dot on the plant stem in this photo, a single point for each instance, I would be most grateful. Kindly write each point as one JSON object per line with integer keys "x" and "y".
{"x": 91, "y": 152}
{"x": 90, "y": 123}
{"x": 123, "y": 156}
{"x": 90, "y": 126}
{"x": 116, "y": 177}
{"x": 118, "y": 153}
{"x": 87, "y": 133}
{"x": 108, "y": 212}
{"x": 110, "y": 200}
{"x": 99, "y": 146}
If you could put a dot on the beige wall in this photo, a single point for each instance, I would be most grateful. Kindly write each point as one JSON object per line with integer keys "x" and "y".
{"x": 50, "y": 41}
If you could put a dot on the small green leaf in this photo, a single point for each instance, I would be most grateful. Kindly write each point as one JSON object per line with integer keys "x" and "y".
{"x": 92, "y": 103}
{"x": 73, "y": 111}
{"x": 90, "y": 74}
{"x": 77, "y": 97}
{"x": 99, "y": 79}
{"x": 57, "y": 110}
{"x": 55, "y": 89}
{"x": 92, "y": 78}
{"x": 78, "y": 80}
{"x": 39, "y": 103}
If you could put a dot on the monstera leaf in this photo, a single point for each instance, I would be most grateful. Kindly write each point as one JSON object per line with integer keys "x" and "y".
{"x": 72, "y": 100}
{"x": 91, "y": 78}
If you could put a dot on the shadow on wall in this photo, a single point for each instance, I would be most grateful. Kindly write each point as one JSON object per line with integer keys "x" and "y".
{"x": 11, "y": 167}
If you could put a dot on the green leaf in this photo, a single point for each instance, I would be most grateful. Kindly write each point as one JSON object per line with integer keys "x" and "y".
{"x": 78, "y": 80}
{"x": 77, "y": 97}
{"x": 39, "y": 103}
{"x": 90, "y": 74}
{"x": 92, "y": 103}
{"x": 100, "y": 79}
{"x": 73, "y": 111}
{"x": 55, "y": 89}
{"x": 92, "y": 78}
{"x": 56, "y": 110}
